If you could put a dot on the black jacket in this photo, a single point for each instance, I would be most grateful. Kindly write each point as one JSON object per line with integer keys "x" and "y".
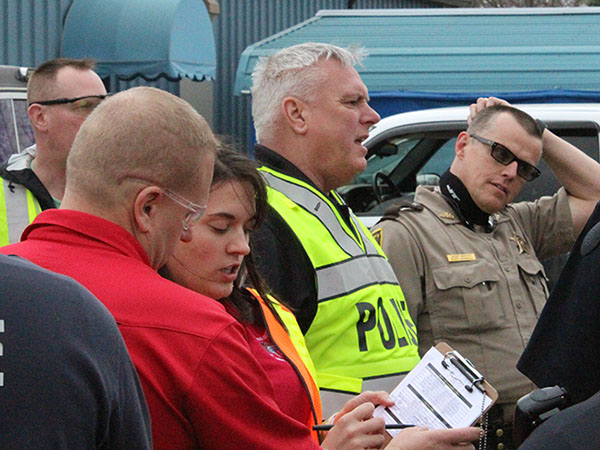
{"x": 13, "y": 170}
{"x": 565, "y": 346}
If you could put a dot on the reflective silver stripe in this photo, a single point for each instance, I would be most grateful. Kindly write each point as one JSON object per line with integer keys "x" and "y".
{"x": 369, "y": 247}
{"x": 345, "y": 277}
{"x": 383, "y": 383}
{"x": 17, "y": 214}
{"x": 319, "y": 208}
{"x": 333, "y": 401}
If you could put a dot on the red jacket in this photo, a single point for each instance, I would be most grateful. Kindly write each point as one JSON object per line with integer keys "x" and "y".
{"x": 203, "y": 386}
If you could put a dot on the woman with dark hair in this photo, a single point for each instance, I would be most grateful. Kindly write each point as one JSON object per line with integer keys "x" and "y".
{"x": 218, "y": 263}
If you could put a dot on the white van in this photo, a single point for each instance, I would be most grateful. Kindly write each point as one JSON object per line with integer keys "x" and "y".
{"x": 413, "y": 148}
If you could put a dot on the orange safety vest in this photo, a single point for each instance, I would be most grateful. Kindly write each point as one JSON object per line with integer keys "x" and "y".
{"x": 281, "y": 338}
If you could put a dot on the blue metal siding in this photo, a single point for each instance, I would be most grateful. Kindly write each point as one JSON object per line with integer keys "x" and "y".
{"x": 458, "y": 50}
{"x": 116, "y": 85}
{"x": 242, "y": 23}
{"x": 31, "y": 30}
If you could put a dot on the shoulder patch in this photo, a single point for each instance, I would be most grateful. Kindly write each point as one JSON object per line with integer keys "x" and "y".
{"x": 378, "y": 235}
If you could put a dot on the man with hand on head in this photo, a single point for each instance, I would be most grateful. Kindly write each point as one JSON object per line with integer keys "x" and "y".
{"x": 468, "y": 259}
{"x": 61, "y": 93}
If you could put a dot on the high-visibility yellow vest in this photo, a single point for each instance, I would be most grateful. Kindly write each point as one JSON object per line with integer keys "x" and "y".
{"x": 18, "y": 208}
{"x": 362, "y": 328}
{"x": 292, "y": 345}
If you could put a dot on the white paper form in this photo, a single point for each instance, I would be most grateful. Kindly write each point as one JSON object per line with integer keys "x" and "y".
{"x": 434, "y": 396}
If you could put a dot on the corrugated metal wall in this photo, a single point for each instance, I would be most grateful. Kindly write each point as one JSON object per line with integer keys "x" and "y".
{"x": 31, "y": 30}
{"x": 242, "y": 23}
{"x": 455, "y": 50}
{"x": 31, "y": 33}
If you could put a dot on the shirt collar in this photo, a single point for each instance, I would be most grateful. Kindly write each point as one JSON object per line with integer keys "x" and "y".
{"x": 275, "y": 161}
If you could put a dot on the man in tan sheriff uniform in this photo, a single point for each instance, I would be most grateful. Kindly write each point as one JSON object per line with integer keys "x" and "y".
{"x": 468, "y": 261}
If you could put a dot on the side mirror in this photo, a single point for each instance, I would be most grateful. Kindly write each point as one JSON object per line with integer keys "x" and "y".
{"x": 387, "y": 149}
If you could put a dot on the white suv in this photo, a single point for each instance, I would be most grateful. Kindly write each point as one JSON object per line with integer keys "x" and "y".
{"x": 414, "y": 148}
{"x": 409, "y": 149}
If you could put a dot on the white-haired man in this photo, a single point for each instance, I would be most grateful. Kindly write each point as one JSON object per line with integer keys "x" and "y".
{"x": 311, "y": 114}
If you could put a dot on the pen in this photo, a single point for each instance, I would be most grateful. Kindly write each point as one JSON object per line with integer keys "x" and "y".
{"x": 468, "y": 375}
{"x": 388, "y": 426}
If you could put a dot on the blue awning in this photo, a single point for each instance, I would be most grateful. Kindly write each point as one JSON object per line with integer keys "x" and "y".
{"x": 148, "y": 38}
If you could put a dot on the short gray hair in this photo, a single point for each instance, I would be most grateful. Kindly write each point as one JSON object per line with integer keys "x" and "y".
{"x": 290, "y": 71}
{"x": 142, "y": 132}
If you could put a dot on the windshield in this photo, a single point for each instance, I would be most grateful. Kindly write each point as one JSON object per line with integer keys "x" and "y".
{"x": 437, "y": 164}
{"x": 386, "y": 164}
{"x": 441, "y": 160}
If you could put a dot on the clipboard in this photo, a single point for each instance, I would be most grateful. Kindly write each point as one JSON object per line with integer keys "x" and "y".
{"x": 443, "y": 391}
{"x": 444, "y": 348}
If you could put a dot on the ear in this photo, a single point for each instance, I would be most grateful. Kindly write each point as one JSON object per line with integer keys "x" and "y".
{"x": 145, "y": 208}
{"x": 37, "y": 117}
{"x": 461, "y": 142}
{"x": 294, "y": 111}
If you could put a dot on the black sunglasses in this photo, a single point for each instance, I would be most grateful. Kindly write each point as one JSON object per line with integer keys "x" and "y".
{"x": 504, "y": 156}
{"x": 64, "y": 101}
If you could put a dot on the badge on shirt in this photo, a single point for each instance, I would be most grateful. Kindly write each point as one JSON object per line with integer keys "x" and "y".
{"x": 460, "y": 257}
{"x": 521, "y": 243}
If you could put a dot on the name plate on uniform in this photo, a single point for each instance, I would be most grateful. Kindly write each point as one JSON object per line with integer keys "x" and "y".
{"x": 461, "y": 257}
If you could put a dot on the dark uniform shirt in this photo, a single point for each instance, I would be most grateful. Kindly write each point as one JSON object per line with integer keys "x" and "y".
{"x": 575, "y": 428}
{"x": 66, "y": 379}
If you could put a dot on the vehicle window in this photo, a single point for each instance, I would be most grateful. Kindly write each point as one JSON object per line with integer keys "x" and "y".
{"x": 441, "y": 160}
{"x": 24, "y": 130}
{"x": 8, "y": 140}
{"x": 386, "y": 164}
{"x": 15, "y": 130}
{"x": 585, "y": 139}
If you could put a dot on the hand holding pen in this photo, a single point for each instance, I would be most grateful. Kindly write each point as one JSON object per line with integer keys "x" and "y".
{"x": 388, "y": 426}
